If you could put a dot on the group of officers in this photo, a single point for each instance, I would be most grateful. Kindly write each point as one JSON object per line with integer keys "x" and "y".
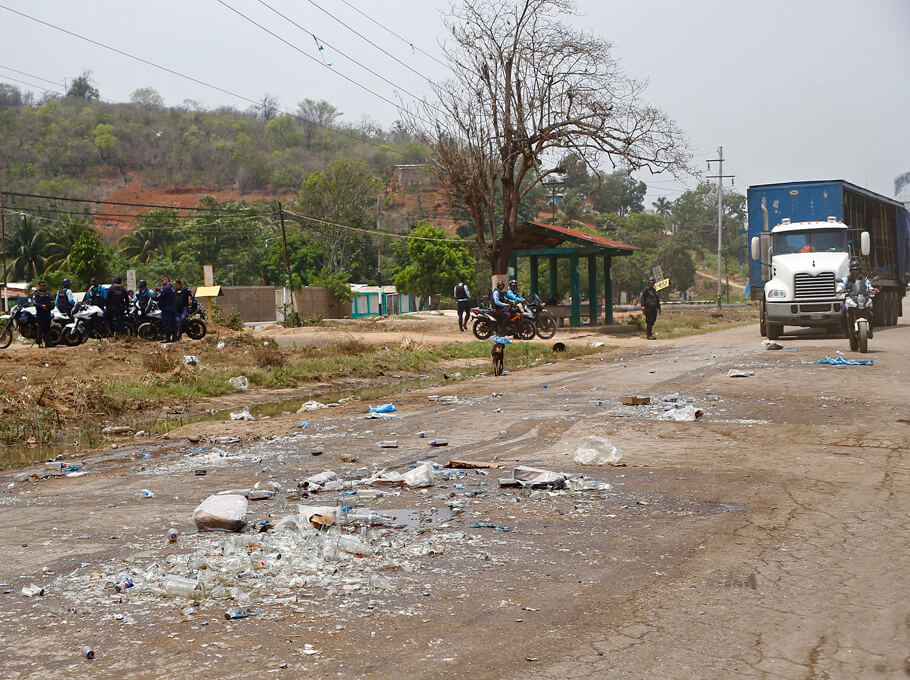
{"x": 174, "y": 300}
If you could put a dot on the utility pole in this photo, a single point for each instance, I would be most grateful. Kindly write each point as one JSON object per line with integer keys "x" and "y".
{"x": 379, "y": 250}
{"x": 287, "y": 265}
{"x": 3, "y": 246}
{"x": 720, "y": 216}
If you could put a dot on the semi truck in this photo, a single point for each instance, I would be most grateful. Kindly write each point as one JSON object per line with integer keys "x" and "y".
{"x": 802, "y": 236}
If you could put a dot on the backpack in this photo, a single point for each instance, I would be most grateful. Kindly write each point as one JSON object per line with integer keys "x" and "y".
{"x": 116, "y": 296}
{"x": 460, "y": 292}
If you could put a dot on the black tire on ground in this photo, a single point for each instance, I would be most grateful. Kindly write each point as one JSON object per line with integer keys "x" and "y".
{"x": 72, "y": 337}
{"x": 147, "y": 331}
{"x": 195, "y": 328}
{"x": 546, "y": 326}
{"x": 862, "y": 339}
{"x": 6, "y": 337}
{"x": 483, "y": 329}
{"x": 56, "y": 335}
{"x": 853, "y": 343}
{"x": 526, "y": 329}
{"x": 774, "y": 330}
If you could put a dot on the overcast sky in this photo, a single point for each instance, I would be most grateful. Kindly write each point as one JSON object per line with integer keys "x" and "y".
{"x": 792, "y": 89}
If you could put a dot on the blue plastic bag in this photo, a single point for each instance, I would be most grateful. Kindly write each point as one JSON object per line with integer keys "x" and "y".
{"x": 384, "y": 408}
{"x": 499, "y": 340}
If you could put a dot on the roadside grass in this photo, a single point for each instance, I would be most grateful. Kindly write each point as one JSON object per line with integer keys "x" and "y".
{"x": 678, "y": 324}
{"x": 346, "y": 358}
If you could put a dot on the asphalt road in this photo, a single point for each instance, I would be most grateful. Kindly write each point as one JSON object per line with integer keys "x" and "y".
{"x": 769, "y": 539}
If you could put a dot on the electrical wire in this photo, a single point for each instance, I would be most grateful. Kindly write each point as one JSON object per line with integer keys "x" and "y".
{"x": 135, "y": 205}
{"x": 389, "y": 30}
{"x": 30, "y": 75}
{"x": 364, "y": 230}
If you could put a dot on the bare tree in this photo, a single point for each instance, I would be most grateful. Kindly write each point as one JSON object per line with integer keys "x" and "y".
{"x": 526, "y": 90}
{"x": 268, "y": 107}
{"x": 314, "y": 115}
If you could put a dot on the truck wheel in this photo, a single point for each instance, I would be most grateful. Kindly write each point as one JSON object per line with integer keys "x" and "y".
{"x": 862, "y": 339}
{"x": 774, "y": 330}
{"x": 762, "y": 324}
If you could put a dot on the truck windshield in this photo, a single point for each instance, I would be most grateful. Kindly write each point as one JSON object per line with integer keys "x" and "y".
{"x": 813, "y": 241}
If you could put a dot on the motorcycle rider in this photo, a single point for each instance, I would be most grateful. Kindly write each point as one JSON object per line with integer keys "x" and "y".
{"x": 501, "y": 306}
{"x": 117, "y": 303}
{"x": 44, "y": 302}
{"x": 650, "y": 306}
{"x": 65, "y": 300}
{"x": 143, "y": 296}
{"x": 167, "y": 303}
{"x": 856, "y": 274}
{"x": 96, "y": 294}
{"x": 513, "y": 294}
{"x": 185, "y": 300}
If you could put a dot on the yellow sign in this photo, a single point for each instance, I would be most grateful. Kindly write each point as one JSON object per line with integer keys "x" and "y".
{"x": 663, "y": 283}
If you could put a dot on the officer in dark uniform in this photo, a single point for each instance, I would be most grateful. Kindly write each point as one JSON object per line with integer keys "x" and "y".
{"x": 44, "y": 302}
{"x": 96, "y": 294}
{"x": 143, "y": 297}
{"x": 116, "y": 306}
{"x": 167, "y": 303}
{"x": 185, "y": 301}
{"x": 650, "y": 306}
{"x": 65, "y": 300}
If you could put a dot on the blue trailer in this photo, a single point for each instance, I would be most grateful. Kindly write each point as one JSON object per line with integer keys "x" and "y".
{"x": 794, "y": 281}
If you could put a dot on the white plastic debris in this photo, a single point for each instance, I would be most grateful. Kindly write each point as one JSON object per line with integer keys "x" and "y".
{"x": 243, "y": 415}
{"x": 191, "y": 360}
{"x": 317, "y": 482}
{"x": 31, "y": 590}
{"x": 736, "y": 373}
{"x": 535, "y": 477}
{"x": 220, "y": 345}
{"x": 221, "y": 513}
{"x": 318, "y": 516}
{"x": 771, "y": 344}
{"x": 596, "y": 450}
{"x": 687, "y": 413}
{"x": 311, "y": 405}
{"x": 240, "y": 382}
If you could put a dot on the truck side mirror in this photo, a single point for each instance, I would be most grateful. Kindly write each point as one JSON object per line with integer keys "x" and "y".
{"x": 755, "y": 248}
{"x": 864, "y": 243}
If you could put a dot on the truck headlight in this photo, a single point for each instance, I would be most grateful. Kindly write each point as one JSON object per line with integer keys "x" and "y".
{"x": 777, "y": 293}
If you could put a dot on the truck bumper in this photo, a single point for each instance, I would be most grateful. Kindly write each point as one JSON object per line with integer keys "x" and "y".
{"x": 804, "y": 313}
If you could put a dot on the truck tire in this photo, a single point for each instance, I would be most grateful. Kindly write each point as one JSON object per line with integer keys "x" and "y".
{"x": 762, "y": 324}
{"x": 774, "y": 330}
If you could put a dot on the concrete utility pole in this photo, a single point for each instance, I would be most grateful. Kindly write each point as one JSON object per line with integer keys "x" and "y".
{"x": 287, "y": 266}
{"x": 720, "y": 216}
{"x": 379, "y": 251}
{"x": 3, "y": 246}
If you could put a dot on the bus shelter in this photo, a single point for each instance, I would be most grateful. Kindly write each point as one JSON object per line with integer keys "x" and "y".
{"x": 535, "y": 241}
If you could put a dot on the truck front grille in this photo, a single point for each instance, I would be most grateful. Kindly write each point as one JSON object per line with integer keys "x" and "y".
{"x": 819, "y": 286}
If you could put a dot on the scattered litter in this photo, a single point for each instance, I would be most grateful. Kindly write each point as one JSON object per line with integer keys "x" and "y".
{"x": 771, "y": 344}
{"x": 447, "y": 399}
{"x": 220, "y": 345}
{"x": 305, "y": 424}
{"x": 145, "y": 493}
{"x": 471, "y": 464}
{"x": 317, "y": 482}
{"x": 117, "y": 429}
{"x": 388, "y": 444}
{"x": 240, "y": 382}
{"x": 595, "y": 345}
{"x": 384, "y": 408}
{"x": 240, "y": 612}
{"x": 596, "y": 450}
{"x": 311, "y": 405}
{"x": 221, "y": 513}
{"x": 87, "y": 652}
{"x": 840, "y": 361}
{"x": 423, "y": 433}
{"x": 652, "y": 370}
{"x": 635, "y": 401}
{"x": 487, "y": 525}
{"x": 500, "y": 340}
{"x": 419, "y": 476}
{"x": 191, "y": 360}
{"x": 243, "y": 415}
{"x": 317, "y": 450}
{"x": 439, "y": 442}
{"x": 737, "y": 373}
{"x": 535, "y": 478}
{"x": 687, "y": 413}
{"x": 32, "y": 590}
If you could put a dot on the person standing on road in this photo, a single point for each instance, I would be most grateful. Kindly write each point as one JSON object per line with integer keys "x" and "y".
{"x": 167, "y": 303}
{"x": 463, "y": 301}
{"x": 115, "y": 309}
{"x": 185, "y": 301}
{"x": 44, "y": 302}
{"x": 650, "y": 306}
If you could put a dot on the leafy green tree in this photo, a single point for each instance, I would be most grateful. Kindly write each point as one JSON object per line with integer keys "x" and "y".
{"x": 435, "y": 262}
{"x": 695, "y": 215}
{"x": 154, "y": 237}
{"x": 618, "y": 193}
{"x": 83, "y": 88}
{"x": 662, "y": 206}
{"x": 62, "y": 238}
{"x": 676, "y": 263}
{"x": 26, "y": 248}
{"x": 314, "y": 115}
{"x": 147, "y": 98}
{"x": 105, "y": 141}
{"x": 339, "y": 197}
{"x": 89, "y": 258}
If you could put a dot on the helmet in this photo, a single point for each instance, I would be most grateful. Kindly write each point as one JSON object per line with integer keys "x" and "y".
{"x": 855, "y": 264}
{"x": 142, "y": 283}
{"x": 500, "y": 283}
{"x": 66, "y": 283}
{"x": 652, "y": 280}
{"x": 513, "y": 283}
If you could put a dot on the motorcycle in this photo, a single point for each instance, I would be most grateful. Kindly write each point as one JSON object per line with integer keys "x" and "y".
{"x": 151, "y": 327}
{"x": 194, "y": 326}
{"x": 520, "y": 324}
{"x": 24, "y": 320}
{"x": 544, "y": 321}
{"x": 10, "y": 322}
{"x": 857, "y": 311}
{"x": 88, "y": 322}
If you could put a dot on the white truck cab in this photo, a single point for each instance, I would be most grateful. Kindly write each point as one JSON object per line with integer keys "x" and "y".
{"x": 802, "y": 263}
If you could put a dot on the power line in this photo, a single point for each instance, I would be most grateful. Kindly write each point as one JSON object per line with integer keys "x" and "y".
{"x": 366, "y": 231}
{"x": 389, "y": 30}
{"x": 312, "y": 58}
{"x": 30, "y": 75}
{"x": 39, "y": 87}
{"x": 135, "y": 205}
{"x": 363, "y": 37}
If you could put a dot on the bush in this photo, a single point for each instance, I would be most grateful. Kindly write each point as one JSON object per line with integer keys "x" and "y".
{"x": 269, "y": 354}
{"x": 158, "y": 362}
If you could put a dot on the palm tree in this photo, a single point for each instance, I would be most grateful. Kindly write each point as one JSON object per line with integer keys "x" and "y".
{"x": 146, "y": 243}
{"x": 62, "y": 239}
{"x": 662, "y": 206}
{"x": 26, "y": 248}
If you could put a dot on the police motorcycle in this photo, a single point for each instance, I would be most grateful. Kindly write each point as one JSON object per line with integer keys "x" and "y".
{"x": 24, "y": 320}
{"x": 857, "y": 311}
{"x": 10, "y": 325}
{"x": 194, "y": 326}
{"x": 88, "y": 322}
{"x": 519, "y": 324}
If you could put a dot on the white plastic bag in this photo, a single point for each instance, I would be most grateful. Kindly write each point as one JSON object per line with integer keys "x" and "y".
{"x": 240, "y": 382}
{"x": 595, "y": 450}
{"x": 243, "y": 415}
{"x": 191, "y": 360}
{"x": 221, "y": 513}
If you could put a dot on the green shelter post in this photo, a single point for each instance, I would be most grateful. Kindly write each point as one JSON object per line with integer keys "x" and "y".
{"x": 608, "y": 291}
{"x": 576, "y": 290}
{"x": 534, "y": 275}
{"x": 593, "y": 301}
{"x": 554, "y": 276}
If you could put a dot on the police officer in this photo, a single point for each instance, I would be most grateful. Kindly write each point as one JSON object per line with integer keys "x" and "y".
{"x": 167, "y": 303}
{"x": 185, "y": 301}
{"x": 463, "y": 301}
{"x": 115, "y": 309}
{"x": 96, "y": 294}
{"x": 513, "y": 294}
{"x": 501, "y": 306}
{"x": 44, "y": 302}
{"x": 650, "y": 306}
{"x": 65, "y": 300}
